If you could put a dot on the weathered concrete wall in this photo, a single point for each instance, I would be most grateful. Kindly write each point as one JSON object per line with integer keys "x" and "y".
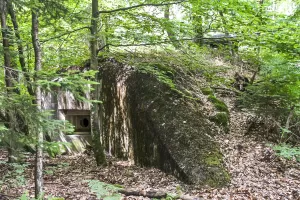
{"x": 61, "y": 102}
{"x": 147, "y": 122}
{"x": 117, "y": 123}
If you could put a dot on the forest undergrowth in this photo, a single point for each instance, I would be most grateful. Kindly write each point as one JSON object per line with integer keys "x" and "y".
{"x": 256, "y": 172}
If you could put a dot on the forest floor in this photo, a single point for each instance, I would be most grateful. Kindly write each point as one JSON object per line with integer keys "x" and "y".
{"x": 256, "y": 173}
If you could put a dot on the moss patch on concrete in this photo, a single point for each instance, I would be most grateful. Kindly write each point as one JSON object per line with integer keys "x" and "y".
{"x": 221, "y": 119}
{"x": 212, "y": 159}
{"x": 207, "y": 91}
{"x": 166, "y": 130}
{"x": 218, "y": 179}
{"x": 79, "y": 142}
{"x": 218, "y": 174}
{"x": 219, "y": 105}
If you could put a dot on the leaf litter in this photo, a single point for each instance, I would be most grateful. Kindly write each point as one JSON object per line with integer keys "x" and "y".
{"x": 256, "y": 172}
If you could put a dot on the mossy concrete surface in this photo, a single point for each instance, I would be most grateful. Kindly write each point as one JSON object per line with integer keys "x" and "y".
{"x": 146, "y": 121}
{"x": 221, "y": 119}
{"x": 219, "y": 105}
{"x": 79, "y": 142}
{"x": 207, "y": 91}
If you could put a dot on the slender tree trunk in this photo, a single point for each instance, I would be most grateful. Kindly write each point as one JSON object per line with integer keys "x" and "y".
{"x": 8, "y": 77}
{"x": 106, "y": 19}
{"x": 260, "y": 16}
{"x": 287, "y": 123}
{"x": 20, "y": 46}
{"x": 96, "y": 110}
{"x": 4, "y": 31}
{"x": 38, "y": 67}
{"x": 169, "y": 30}
{"x": 7, "y": 60}
{"x": 258, "y": 49}
{"x": 198, "y": 30}
{"x": 23, "y": 126}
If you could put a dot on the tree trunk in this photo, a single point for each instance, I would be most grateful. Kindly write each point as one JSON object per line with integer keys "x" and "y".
{"x": 5, "y": 44}
{"x": 96, "y": 107}
{"x": 20, "y": 46}
{"x": 287, "y": 124}
{"x": 198, "y": 29}
{"x": 260, "y": 16}
{"x": 39, "y": 134}
{"x": 8, "y": 77}
{"x": 169, "y": 30}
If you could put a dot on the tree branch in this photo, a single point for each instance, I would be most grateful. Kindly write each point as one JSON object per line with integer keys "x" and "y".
{"x": 155, "y": 194}
{"x": 137, "y": 6}
{"x": 67, "y": 33}
{"x": 5, "y": 196}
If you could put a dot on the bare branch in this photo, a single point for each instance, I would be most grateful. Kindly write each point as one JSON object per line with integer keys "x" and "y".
{"x": 137, "y": 6}
{"x": 5, "y": 196}
{"x": 154, "y": 194}
{"x": 67, "y": 33}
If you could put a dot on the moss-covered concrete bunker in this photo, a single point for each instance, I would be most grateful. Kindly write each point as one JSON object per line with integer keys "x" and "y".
{"x": 146, "y": 121}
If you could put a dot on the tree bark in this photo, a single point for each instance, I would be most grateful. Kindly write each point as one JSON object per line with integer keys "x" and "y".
{"x": 8, "y": 77}
{"x": 39, "y": 133}
{"x": 198, "y": 30}
{"x": 19, "y": 43}
{"x": 260, "y": 16}
{"x": 96, "y": 107}
{"x": 287, "y": 123}
{"x": 169, "y": 30}
{"x": 5, "y": 41}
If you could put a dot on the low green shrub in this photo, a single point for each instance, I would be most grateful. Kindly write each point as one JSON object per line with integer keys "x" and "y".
{"x": 288, "y": 152}
{"x": 104, "y": 191}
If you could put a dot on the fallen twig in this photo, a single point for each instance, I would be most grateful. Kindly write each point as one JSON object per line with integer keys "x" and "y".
{"x": 5, "y": 196}
{"x": 154, "y": 194}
